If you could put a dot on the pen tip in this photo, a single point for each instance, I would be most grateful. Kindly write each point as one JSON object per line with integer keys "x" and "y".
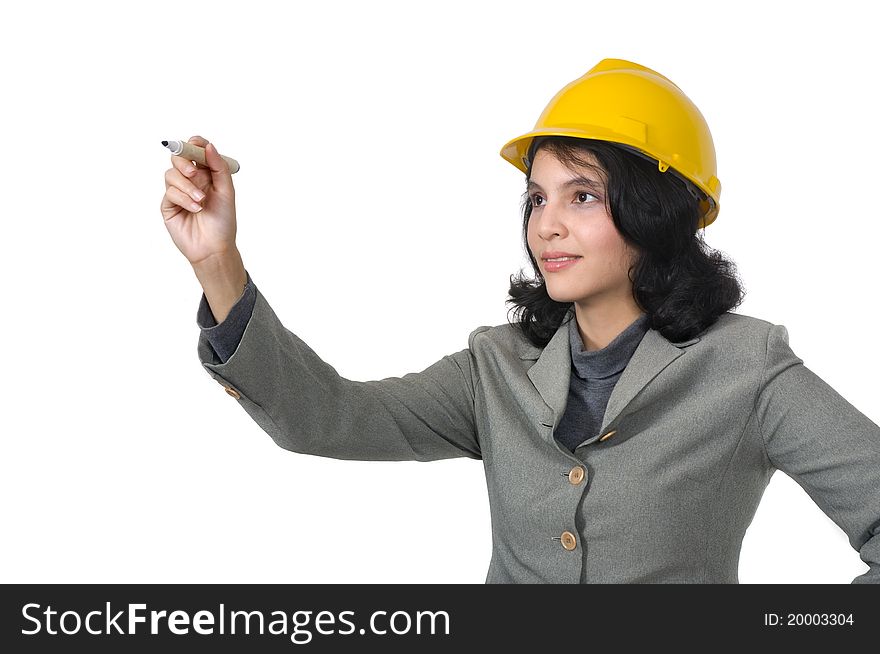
{"x": 165, "y": 143}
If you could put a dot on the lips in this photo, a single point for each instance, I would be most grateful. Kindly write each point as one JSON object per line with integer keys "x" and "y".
{"x": 553, "y": 266}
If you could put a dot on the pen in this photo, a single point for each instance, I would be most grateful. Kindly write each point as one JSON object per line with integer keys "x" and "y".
{"x": 196, "y": 153}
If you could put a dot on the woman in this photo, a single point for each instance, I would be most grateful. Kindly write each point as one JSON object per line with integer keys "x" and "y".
{"x": 628, "y": 421}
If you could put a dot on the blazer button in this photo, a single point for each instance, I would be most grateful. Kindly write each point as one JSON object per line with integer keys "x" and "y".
{"x": 569, "y": 542}
{"x": 232, "y": 391}
{"x": 576, "y": 475}
{"x": 608, "y": 435}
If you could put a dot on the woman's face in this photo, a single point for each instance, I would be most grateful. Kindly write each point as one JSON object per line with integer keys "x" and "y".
{"x": 569, "y": 216}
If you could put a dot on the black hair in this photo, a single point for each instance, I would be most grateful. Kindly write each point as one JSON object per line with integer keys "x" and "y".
{"x": 681, "y": 283}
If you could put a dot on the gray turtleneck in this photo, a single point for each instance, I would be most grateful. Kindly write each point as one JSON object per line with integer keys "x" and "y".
{"x": 593, "y": 373}
{"x": 593, "y": 376}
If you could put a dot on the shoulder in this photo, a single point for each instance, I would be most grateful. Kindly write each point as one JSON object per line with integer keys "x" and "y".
{"x": 738, "y": 326}
{"x": 507, "y": 337}
{"x": 739, "y": 337}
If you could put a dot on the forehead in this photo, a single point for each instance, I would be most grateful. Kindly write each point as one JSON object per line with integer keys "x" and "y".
{"x": 546, "y": 162}
{"x": 548, "y": 170}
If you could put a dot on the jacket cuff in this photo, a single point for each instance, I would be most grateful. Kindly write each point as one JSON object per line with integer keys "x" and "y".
{"x": 225, "y": 337}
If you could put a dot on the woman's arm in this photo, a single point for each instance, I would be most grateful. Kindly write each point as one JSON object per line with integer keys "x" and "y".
{"x": 825, "y": 444}
{"x": 307, "y": 407}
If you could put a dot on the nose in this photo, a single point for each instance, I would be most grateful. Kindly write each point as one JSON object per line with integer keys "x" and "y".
{"x": 550, "y": 222}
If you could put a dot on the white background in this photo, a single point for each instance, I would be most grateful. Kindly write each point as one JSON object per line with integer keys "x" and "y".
{"x": 371, "y": 197}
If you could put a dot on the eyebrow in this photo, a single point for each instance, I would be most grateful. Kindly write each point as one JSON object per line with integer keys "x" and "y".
{"x": 580, "y": 180}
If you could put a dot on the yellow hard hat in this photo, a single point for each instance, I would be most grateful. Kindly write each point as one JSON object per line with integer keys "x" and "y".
{"x": 626, "y": 103}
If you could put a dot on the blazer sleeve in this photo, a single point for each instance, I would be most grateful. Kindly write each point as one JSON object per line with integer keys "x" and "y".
{"x": 825, "y": 444}
{"x": 307, "y": 407}
{"x": 224, "y": 338}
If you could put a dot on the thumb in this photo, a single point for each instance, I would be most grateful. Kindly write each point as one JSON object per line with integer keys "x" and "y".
{"x": 220, "y": 175}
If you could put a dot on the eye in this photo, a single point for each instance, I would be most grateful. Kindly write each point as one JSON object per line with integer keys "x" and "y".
{"x": 589, "y": 195}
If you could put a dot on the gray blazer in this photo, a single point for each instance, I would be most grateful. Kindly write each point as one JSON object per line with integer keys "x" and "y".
{"x": 664, "y": 492}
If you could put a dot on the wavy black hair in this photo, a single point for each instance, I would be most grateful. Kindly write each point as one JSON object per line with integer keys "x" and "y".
{"x": 681, "y": 283}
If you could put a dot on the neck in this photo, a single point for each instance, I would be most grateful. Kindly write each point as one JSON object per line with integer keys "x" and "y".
{"x": 599, "y": 326}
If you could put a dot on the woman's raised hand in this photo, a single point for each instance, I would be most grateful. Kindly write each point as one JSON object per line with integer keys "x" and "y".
{"x": 199, "y": 205}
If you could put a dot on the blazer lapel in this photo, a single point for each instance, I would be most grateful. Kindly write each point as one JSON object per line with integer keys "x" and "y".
{"x": 652, "y": 355}
{"x": 551, "y": 373}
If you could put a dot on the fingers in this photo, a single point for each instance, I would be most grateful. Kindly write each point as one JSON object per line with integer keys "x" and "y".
{"x": 182, "y": 182}
{"x": 185, "y": 180}
{"x": 200, "y": 175}
{"x": 174, "y": 197}
{"x": 180, "y": 193}
{"x": 175, "y": 178}
{"x": 187, "y": 169}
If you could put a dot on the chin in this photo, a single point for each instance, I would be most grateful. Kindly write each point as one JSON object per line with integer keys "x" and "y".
{"x": 562, "y": 295}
